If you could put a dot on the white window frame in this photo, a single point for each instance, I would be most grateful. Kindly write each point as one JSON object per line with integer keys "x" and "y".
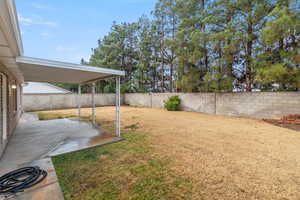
{"x": 4, "y": 107}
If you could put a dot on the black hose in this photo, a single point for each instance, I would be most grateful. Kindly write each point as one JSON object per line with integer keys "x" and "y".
{"x": 21, "y": 179}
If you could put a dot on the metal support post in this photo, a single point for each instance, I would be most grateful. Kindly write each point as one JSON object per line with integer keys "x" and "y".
{"x": 79, "y": 101}
{"x": 118, "y": 102}
{"x": 93, "y": 103}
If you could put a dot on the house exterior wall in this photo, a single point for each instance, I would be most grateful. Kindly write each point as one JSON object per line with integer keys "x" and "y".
{"x": 13, "y": 106}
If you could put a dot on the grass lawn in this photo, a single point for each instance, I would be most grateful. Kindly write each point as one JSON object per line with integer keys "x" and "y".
{"x": 124, "y": 170}
{"x": 52, "y": 115}
{"x": 183, "y": 155}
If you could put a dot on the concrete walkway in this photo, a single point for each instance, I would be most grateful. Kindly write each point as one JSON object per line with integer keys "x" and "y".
{"x": 35, "y": 141}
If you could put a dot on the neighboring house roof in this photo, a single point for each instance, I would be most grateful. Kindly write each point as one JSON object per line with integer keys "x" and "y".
{"x": 43, "y": 88}
{"x": 39, "y": 70}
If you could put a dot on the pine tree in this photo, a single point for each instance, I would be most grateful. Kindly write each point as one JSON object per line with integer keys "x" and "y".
{"x": 224, "y": 42}
{"x": 192, "y": 45}
{"x": 251, "y": 17}
{"x": 118, "y": 50}
{"x": 206, "y": 45}
{"x": 280, "y": 62}
{"x": 166, "y": 21}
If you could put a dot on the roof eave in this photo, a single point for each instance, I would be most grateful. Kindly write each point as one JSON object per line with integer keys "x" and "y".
{"x": 19, "y": 51}
{"x": 10, "y": 26}
{"x": 59, "y": 64}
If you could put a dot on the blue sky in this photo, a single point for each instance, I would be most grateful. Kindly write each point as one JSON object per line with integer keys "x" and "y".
{"x": 66, "y": 30}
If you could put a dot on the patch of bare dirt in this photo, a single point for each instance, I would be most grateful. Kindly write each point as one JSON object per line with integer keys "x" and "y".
{"x": 288, "y": 126}
{"x": 225, "y": 157}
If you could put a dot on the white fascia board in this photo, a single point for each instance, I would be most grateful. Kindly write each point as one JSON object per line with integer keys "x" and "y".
{"x": 65, "y": 65}
{"x": 15, "y": 25}
{"x": 10, "y": 26}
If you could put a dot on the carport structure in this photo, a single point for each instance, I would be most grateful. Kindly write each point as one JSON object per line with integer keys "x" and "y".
{"x": 42, "y": 70}
{"x": 27, "y": 141}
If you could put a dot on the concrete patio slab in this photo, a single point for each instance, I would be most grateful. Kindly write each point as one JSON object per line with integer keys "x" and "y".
{"x": 48, "y": 189}
{"x": 35, "y": 141}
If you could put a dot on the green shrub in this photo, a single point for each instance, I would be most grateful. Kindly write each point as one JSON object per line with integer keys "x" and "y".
{"x": 173, "y": 103}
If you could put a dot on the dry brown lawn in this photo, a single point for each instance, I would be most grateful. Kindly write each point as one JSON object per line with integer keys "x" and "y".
{"x": 225, "y": 157}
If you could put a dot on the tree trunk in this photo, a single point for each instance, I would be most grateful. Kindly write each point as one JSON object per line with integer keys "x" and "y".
{"x": 219, "y": 67}
{"x": 230, "y": 59}
{"x": 248, "y": 67}
{"x": 249, "y": 47}
{"x": 202, "y": 5}
{"x": 154, "y": 80}
{"x": 162, "y": 61}
{"x": 172, "y": 57}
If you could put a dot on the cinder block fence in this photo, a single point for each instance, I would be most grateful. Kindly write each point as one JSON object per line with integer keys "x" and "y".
{"x": 38, "y": 102}
{"x": 256, "y": 104}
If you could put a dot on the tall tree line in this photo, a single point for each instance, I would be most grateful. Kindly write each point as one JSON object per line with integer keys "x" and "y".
{"x": 206, "y": 46}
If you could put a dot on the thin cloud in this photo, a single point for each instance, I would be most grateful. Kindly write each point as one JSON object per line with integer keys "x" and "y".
{"x": 46, "y": 34}
{"x": 71, "y": 54}
{"x": 135, "y": 1}
{"x": 27, "y": 21}
{"x": 61, "y": 48}
{"x": 43, "y": 6}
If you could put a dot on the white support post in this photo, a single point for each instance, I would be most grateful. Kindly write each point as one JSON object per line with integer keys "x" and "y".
{"x": 93, "y": 104}
{"x": 118, "y": 102}
{"x": 79, "y": 101}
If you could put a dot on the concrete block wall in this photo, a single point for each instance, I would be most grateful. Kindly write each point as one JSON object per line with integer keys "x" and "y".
{"x": 39, "y": 102}
{"x": 195, "y": 102}
{"x": 198, "y": 102}
{"x": 271, "y": 105}
{"x": 138, "y": 99}
{"x": 258, "y": 104}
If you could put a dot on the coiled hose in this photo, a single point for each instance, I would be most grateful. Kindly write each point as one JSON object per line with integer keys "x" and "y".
{"x": 21, "y": 179}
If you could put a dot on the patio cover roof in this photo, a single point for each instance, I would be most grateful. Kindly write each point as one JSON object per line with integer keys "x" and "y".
{"x": 42, "y": 70}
